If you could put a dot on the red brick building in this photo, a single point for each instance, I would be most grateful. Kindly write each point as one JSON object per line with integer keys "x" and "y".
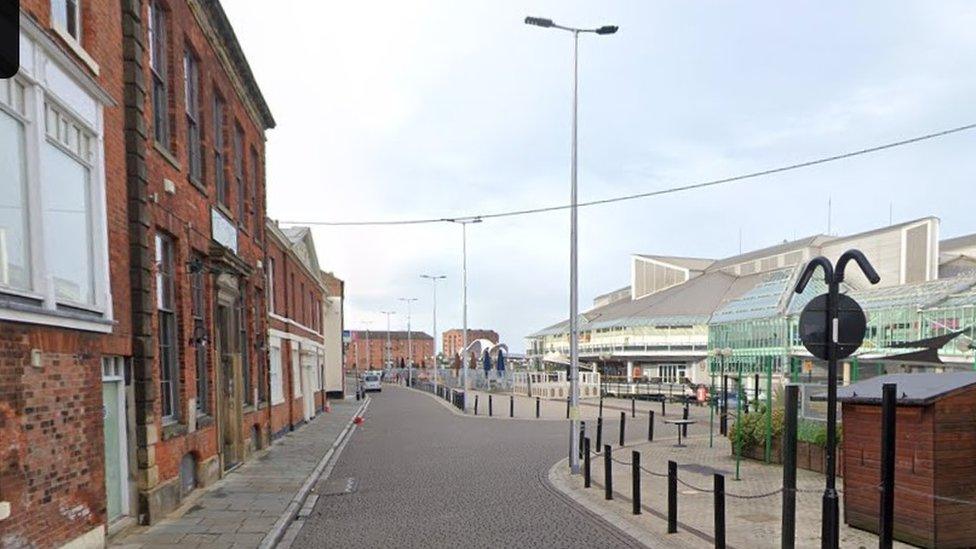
{"x": 453, "y": 340}
{"x": 296, "y": 342}
{"x": 195, "y": 134}
{"x": 367, "y": 349}
{"x": 65, "y": 322}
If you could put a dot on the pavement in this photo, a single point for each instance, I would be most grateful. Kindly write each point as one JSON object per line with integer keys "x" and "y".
{"x": 254, "y": 504}
{"x": 418, "y": 473}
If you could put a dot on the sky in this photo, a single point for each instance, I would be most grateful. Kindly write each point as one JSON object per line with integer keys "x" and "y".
{"x": 447, "y": 108}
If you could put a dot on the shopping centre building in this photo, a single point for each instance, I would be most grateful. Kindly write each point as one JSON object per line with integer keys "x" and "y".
{"x": 691, "y": 319}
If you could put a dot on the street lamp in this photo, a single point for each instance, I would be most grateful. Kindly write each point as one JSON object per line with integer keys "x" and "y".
{"x": 574, "y": 458}
{"x": 464, "y": 222}
{"x": 389, "y": 346}
{"x": 433, "y": 279}
{"x": 408, "y": 300}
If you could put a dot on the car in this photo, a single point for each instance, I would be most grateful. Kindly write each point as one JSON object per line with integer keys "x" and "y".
{"x": 372, "y": 381}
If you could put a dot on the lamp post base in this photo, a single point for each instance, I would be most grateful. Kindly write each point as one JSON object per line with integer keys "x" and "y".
{"x": 830, "y": 513}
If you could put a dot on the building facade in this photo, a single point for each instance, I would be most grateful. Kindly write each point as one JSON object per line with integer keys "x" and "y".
{"x": 452, "y": 341}
{"x": 65, "y": 322}
{"x": 296, "y": 342}
{"x": 681, "y": 314}
{"x": 367, "y": 350}
{"x": 195, "y": 134}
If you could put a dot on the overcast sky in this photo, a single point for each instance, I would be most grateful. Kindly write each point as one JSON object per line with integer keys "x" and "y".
{"x": 407, "y": 109}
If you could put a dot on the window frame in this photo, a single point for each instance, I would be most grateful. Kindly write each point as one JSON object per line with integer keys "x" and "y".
{"x": 243, "y": 344}
{"x": 63, "y": 25}
{"x": 239, "y": 187}
{"x": 167, "y": 326}
{"x": 219, "y": 115}
{"x": 201, "y": 333}
{"x": 158, "y": 40}
{"x": 271, "y": 285}
{"x": 194, "y": 117}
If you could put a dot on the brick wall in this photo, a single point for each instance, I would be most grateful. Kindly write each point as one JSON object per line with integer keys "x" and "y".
{"x": 51, "y": 420}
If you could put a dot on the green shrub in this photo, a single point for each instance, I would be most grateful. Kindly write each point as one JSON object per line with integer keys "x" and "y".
{"x": 754, "y": 430}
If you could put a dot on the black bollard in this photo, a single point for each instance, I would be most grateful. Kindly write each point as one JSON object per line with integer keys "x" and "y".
{"x": 475, "y": 404}
{"x": 723, "y": 423}
{"x": 672, "y": 497}
{"x": 719, "y": 495}
{"x": 623, "y": 418}
{"x": 607, "y": 473}
{"x": 491, "y": 407}
{"x": 664, "y": 412}
{"x": 601, "y": 408}
{"x": 511, "y": 406}
{"x": 650, "y": 425}
{"x": 633, "y": 407}
{"x": 684, "y": 415}
{"x": 586, "y": 462}
{"x": 567, "y": 407}
{"x": 788, "y": 528}
{"x": 537, "y": 407}
{"x": 756, "y": 391}
{"x": 582, "y": 435}
{"x": 635, "y": 482}
{"x": 599, "y": 431}
{"x": 887, "y": 511}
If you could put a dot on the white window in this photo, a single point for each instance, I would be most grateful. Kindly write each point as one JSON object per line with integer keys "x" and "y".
{"x": 53, "y": 254}
{"x": 65, "y": 198}
{"x": 14, "y": 241}
{"x": 66, "y": 15}
{"x": 296, "y": 370}
{"x": 277, "y": 383}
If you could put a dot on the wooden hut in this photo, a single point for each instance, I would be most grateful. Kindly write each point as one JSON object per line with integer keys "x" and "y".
{"x": 935, "y": 459}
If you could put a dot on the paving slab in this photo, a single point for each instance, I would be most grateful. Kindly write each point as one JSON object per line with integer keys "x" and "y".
{"x": 242, "y": 508}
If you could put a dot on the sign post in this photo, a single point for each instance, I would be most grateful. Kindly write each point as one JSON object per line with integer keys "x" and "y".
{"x": 832, "y": 327}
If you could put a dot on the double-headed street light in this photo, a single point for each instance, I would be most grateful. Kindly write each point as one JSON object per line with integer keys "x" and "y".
{"x": 574, "y": 389}
{"x": 433, "y": 279}
{"x": 464, "y": 222}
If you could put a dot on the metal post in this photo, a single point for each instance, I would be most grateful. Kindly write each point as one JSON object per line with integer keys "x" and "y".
{"x": 788, "y": 528}
{"x": 650, "y": 425}
{"x": 491, "y": 410}
{"x": 599, "y": 431}
{"x": 433, "y": 279}
{"x": 664, "y": 411}
{"x": 830, "y": 529}
{"x": 672, "y": 497}
{"x": 408, "y": 300}
{"x": 633, "y": 407}
{"x": 635, "y": 482}
{"x": 684, "y": 415}
{"x": 719, "y": 498}
{"x": 888, "y": 430}
{"x": 623, "y": 418}
{"x": 607, "y": 473}
{"x": 769, "y": 412}
{"x": 537, "y": 407}
{"x": 586, "y": 462}
{"x": 601, "y": 405}
{"x": 475, "y": 404}
{"x": 723, "y": 418}
{"x": 755, "y": 389}
{"x": 582, "y": 434}
{"x": 573, "y": 282}
{"x": 511, "y": 406}
{"x": 738, "y": 425}
{"x": 711, "y": 411}
{"x": 464, "y": 315}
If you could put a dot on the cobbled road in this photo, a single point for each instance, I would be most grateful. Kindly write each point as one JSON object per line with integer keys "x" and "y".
{"x": 426, "y": 477}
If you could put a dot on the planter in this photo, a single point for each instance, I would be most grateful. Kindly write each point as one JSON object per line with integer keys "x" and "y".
{"x": 809, "y": 456}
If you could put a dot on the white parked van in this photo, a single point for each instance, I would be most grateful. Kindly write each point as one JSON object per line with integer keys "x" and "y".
{"x": 372, "y": 381}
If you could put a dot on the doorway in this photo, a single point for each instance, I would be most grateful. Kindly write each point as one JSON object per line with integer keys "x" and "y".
{"x": 230, "y": 395}
{"x": 116, "y": 447}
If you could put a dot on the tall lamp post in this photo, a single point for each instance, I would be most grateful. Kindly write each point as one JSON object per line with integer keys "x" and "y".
{"x": 409, "y": 300}
{"x": 369, "y": 348}
{"x": 574, "y": 460}
{"x": 433, "y": 279}
{"x": 464, "y": 222}
{"x": 389, "y": 346}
